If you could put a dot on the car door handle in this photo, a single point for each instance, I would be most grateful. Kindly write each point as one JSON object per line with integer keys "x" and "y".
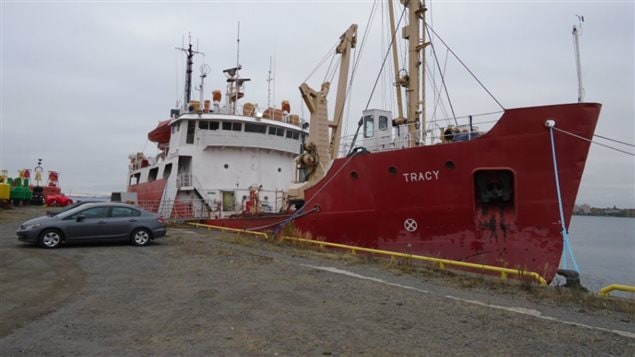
{"x": 132, "y": 220}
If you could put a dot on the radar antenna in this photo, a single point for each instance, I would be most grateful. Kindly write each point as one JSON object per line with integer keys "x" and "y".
{"x": 204, "y": 69}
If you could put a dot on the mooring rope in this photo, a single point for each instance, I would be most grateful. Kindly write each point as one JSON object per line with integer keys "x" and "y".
{"x": 567, "y": 247}
{"x": 298, "y": 213}
{"x": 595, "y": 142}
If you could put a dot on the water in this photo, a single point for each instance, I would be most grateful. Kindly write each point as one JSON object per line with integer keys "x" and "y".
{"x": 77, "y": 198}
{"x": 604, "y": 248}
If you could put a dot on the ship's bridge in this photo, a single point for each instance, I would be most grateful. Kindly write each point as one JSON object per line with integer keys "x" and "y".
{"x": 210, "y": 130}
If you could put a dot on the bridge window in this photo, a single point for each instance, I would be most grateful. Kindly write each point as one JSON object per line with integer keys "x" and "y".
{"x": 191, "y": 127}
{"x": 203, "y": 125}
{"x": 213, "y": 125}
{"x": 233, "y": 126}
{"x": 289, "y": 134}
{"x": 255, "y": 128}
{"x": 296, "y": 135}
{"x": 383, "y": 123}
{"x": 276, "y": 131}
{"x": 369, "y": 126}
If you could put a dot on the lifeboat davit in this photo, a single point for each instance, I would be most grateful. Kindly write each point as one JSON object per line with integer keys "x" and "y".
{"x": 161, "y": 134}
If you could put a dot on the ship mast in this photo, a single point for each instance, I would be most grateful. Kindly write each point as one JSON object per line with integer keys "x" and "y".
{"x": 235, "y": 89}
{"x": 415, "y": 79}
{"x": 269, "y": 80}
{"x": 188, "y": 70}
{"x": 576, "y": 48}
{"x": 393, "y": 33}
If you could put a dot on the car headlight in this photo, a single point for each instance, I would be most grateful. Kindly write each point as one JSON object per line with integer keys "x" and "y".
{"x": 29, "y": 226}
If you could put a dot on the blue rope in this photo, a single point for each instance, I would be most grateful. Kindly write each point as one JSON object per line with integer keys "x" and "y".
{"x": 565, "y": 238}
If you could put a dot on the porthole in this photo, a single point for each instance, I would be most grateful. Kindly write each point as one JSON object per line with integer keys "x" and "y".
{"x": 354, "y": 175}
{"x": 226, "y": 166}
{"x": 450, "y": 165}
{"x": 392, "y": 170}
{"x": 279, "y": 169}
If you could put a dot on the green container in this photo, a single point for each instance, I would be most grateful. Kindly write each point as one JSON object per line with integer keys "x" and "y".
{"x": 21, "y": 193}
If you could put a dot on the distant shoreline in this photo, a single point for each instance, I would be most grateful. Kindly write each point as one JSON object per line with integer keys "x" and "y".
{"x": 586, "y": 210}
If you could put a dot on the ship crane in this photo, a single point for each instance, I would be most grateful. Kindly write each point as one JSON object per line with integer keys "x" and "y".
{"x": 319, "y": 149}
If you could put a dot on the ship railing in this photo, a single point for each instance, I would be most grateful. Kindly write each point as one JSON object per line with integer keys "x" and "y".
{"x": 620, "y": 287}
{"x": 184, "y": 179}
{"x": 187, "y": 179}
{"x": 480, "y": 124}
{"x": 441, "y": 263}
{"x": 178, "y": 209}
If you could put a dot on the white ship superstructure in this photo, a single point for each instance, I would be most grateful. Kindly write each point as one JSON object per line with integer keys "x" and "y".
{"x": 215, "y": 160}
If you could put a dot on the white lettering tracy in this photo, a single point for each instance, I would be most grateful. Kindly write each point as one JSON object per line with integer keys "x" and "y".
{"x": 421, "y": 176}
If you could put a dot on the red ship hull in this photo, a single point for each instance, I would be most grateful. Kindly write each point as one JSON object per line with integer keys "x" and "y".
{"x": 491, "y": 200}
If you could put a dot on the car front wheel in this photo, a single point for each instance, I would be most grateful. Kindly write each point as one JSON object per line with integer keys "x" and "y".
{"x": 50, "y": 238}
{"x": 140, "y": 237}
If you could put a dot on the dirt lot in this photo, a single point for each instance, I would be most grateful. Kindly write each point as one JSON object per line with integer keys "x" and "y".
{"x": 203, "y": 293}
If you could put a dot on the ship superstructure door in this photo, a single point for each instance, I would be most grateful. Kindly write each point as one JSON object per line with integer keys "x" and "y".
{"x": 376, "y": 133}
{"x": 228, "y": 201}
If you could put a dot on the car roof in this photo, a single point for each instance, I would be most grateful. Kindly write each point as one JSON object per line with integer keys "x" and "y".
{"x": 81, "y": 208}
{"x": 109, "y": 204}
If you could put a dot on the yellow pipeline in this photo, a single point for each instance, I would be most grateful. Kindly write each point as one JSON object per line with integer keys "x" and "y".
{"x": 442, "y": 262}
{"x": 607, "y": 289}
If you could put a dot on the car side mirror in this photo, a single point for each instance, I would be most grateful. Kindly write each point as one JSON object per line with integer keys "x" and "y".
{"x": 80, "y": 218}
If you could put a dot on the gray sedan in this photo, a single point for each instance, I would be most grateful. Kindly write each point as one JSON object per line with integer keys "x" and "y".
{"x": 94, "y": 222}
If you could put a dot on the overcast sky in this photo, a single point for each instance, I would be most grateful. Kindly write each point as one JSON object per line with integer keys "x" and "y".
{"x": 83, "y": 82}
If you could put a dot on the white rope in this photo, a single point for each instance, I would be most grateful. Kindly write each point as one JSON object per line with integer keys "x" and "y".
{"x": 595, "y": 142}
{"x": 298, "y": 213}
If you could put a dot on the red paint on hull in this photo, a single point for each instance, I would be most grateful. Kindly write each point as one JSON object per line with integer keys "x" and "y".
{"x": 372, "y": 200}
{"x": 149, "y": 194}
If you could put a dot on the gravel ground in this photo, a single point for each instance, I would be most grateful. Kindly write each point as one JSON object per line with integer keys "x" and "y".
{"x": 197, "y": 292}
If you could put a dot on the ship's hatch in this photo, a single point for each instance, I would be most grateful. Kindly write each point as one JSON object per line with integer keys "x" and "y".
{"x": 494, "y": 209}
